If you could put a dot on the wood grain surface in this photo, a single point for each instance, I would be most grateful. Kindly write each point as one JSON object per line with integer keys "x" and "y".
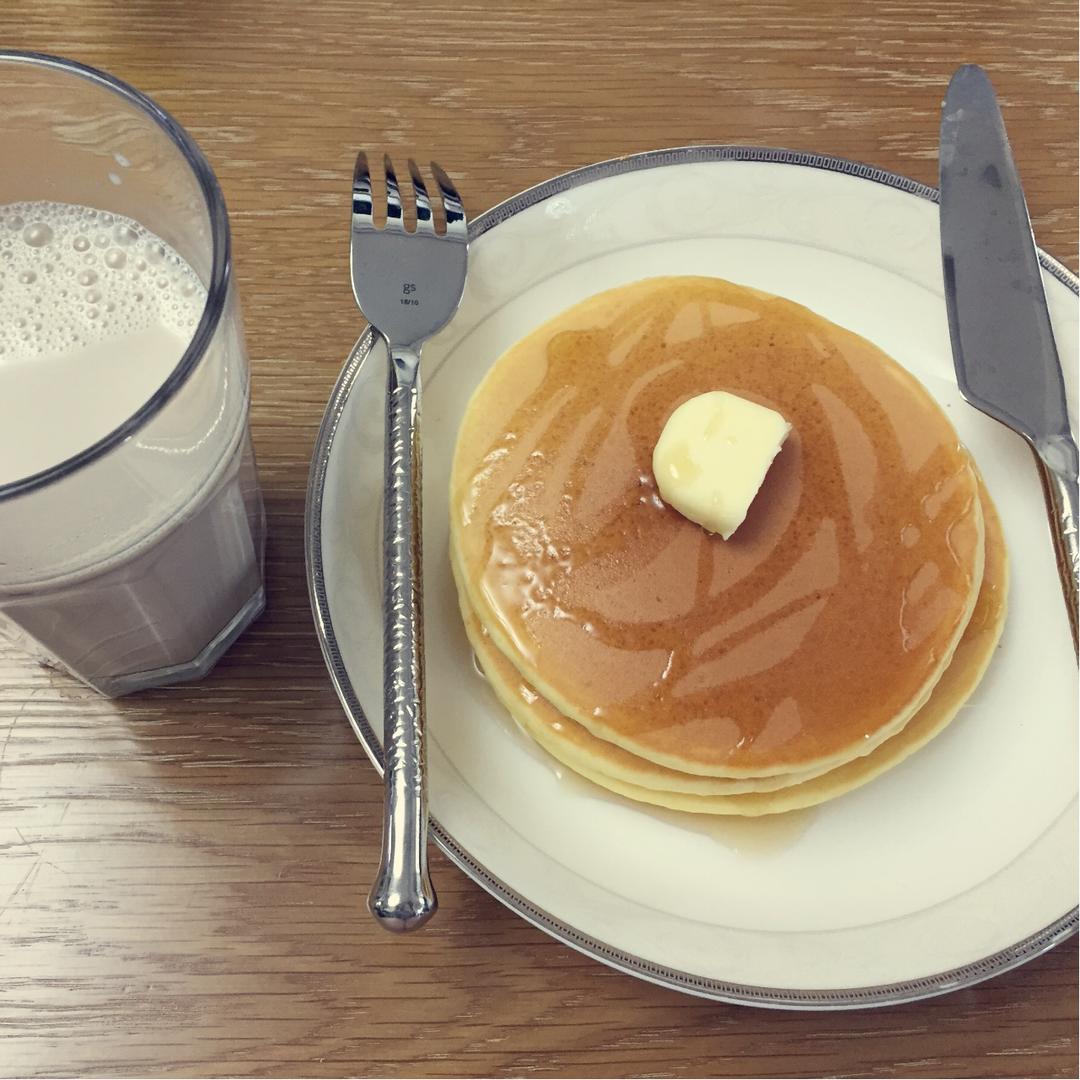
{"x": 182, "y": 872}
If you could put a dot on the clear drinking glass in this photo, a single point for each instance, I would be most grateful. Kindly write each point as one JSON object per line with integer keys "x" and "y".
{"x": 137, "y": 560}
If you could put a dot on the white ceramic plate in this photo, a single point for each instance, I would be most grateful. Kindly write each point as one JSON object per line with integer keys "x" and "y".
{"x": 960, "y": 863}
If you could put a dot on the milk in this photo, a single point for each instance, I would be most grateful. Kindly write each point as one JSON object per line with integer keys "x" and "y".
{"x": 94, "y": 314}
{"x": 139, "y": 568}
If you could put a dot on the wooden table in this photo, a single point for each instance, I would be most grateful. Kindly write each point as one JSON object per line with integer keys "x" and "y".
{"x": 183, "y": 872}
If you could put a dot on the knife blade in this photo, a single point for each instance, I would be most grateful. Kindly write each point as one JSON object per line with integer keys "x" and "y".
{"x": 1003, "y": 344}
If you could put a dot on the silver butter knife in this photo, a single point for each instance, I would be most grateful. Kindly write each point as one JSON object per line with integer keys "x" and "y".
{"x": 1003, "y": 346}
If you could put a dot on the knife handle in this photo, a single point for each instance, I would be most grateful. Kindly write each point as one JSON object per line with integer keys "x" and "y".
{"x": 1057, "y": 466}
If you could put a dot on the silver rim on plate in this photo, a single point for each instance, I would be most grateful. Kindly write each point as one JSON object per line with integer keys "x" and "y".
{"x": 772, "y": 997}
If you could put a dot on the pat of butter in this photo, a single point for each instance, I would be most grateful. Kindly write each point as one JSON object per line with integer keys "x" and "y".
{"x": 712, "y": 457}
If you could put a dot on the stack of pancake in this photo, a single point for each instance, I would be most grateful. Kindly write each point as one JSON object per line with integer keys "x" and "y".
{"x": 840, "y": 628}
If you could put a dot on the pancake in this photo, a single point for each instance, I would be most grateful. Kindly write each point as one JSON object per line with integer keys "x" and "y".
{"x": 812, "y": 635}
{"x": 615, "y": 769}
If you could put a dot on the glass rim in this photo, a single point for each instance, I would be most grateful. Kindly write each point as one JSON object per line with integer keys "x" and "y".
{"x": 217, "y": 288}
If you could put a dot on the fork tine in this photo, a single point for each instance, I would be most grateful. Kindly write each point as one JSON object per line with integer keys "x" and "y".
{"x": 455, "y": 212}
{"x": 424, "y": 223}
{"x": 361, "y": 194}
{"x": 394, "y": 220}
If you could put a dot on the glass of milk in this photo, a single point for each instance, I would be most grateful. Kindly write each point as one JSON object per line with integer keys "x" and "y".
{"x": 131, "y": 524}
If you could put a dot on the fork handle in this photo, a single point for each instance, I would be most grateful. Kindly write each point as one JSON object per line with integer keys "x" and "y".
{"x": 402, "y": 897}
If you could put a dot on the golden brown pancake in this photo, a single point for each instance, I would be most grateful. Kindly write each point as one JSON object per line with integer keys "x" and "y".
{"x": 614, "y": 768}
{"x": 811, "y": 635}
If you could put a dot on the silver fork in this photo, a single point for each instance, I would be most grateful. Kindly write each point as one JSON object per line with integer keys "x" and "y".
{"x": 407, "y": 285}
